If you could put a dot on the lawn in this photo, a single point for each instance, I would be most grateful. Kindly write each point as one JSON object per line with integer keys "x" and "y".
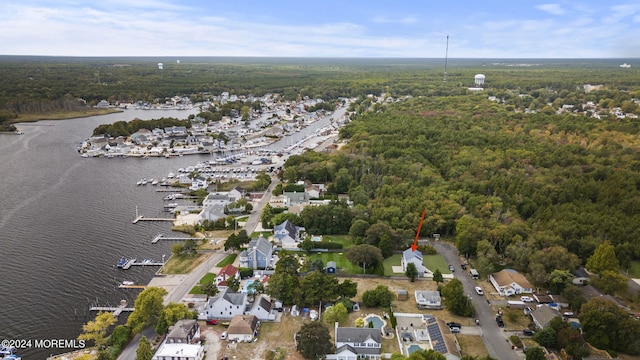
{"x": 433, "y": 262}
{"x": 229, "y": 259}
{"x": 183, "y": 264}
{"x": 634, "y": 270}
{"x": 345, "y": 240}
{"x": 208, "y": 277}
{"x": 342, "y": 263}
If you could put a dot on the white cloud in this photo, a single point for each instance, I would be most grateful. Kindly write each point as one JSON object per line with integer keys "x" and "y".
{"x": 554, "y": 9}
{"x": 388, "y": 20}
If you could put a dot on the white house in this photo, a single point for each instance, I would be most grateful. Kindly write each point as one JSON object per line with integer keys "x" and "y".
{"x": 286, "y": 232}
{"x": 262, "y": 309}
{"x": 178, "y": 351}
{"x": 426, "y": 299}
{"x": 415, "y": 257}
{"x": 510, "y": 282}
{"x": 365, "y": 343}
{"x": 243, "y": 328}
{"x": 224, "y": 305}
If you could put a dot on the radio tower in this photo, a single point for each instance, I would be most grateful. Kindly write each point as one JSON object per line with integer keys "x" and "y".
{"x": 446, "y": 56}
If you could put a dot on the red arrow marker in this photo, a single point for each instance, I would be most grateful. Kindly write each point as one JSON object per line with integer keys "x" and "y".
{"x": 414, "y": 246}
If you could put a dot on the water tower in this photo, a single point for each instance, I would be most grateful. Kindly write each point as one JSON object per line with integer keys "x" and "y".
{"x": 160, "y": 66}
{"x": 479, "y": 79}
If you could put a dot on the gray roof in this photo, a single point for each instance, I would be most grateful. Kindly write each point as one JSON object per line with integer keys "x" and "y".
{"x": 232, "y": 297}
{"x": 359, "y": 335}
{"x": 261, "y": 245}
{"x": 408, "y": 254}
{"x": 181, "y": 329}
{"x": 544, "y": 315}
{"x": 265, "y": 304}
{"x": 288, "y": 227}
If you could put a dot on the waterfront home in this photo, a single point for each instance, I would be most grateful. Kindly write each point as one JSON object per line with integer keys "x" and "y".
{"x": 184, "y": 331}
{"x": 426, "y": 299}
{"x": 510, "y": 282}
{"x": 177, "y": 351}
{"x": 198, "y": 182}
{"x": 224, "y": 305}
{"x": 415, "y": 257}
{"x": 364, "y": 343}
{"x": 243, "y": 328}
{"x": 257, "y": 255}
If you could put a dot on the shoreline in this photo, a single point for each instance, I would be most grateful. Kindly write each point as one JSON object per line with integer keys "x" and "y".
{"x": 63, "y": 116}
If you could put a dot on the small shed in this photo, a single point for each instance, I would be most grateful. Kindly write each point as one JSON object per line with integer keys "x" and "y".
{"x": 331, "y": 267}
{"x": 402, "y": 294}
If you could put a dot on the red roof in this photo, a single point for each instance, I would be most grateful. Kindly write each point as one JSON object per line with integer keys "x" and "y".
{"x": 228, "y": 270}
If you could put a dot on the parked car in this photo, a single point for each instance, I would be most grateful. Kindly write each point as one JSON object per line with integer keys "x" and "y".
{"x": 223, "y": 336}
{"x": 454, "y": 324}
{"x": 526, "y": 299}
{"x": 528, "y": 332}
{"x": 455, "y": 330}
{"x": 212, "y": 322}
{"x": 499, "y": 321}
{"x": 479, "y": 290}
{"x": 463, "y": 266}
{"x": 451, "y": 268}
{"x": 313, "y": 314}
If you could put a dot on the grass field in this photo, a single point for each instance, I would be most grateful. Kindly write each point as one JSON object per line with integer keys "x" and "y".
{"x": 634, "y": 270}
{"x": 341, "y": 262}
{"x": 345, "y": 240}
{"x": 433, "y": 262}
{"x": 183, "y": 264}
{"x": 229, "y": 259}
{"x": 208, "y": 277}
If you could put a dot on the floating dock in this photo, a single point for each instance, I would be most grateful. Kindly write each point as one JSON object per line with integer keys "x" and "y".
{"x": 134, "y": 262}
{"x": 123, "y": 286}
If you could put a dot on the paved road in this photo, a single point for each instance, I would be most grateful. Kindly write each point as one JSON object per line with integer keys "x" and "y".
{"x": 495, "y": 339}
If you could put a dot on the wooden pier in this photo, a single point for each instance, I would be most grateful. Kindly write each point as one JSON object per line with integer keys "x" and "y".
{"x": 173, "y": 238}
{"x": 123, "y": 286}
{"x": 115, "y": 310}
{"x": 142, "y": 218}
{"x": 134, "y": 262}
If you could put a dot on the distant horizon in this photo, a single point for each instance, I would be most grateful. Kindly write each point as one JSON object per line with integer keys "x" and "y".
{"x": 491, "y": 29}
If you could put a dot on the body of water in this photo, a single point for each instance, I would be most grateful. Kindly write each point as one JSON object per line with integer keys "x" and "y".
{"x": 64, "y": 223}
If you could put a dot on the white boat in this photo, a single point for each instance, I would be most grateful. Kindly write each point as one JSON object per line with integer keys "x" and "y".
{"x": 154, "y": 182}
{"x": 144, "y": 181}
{"x": 128, "y": 283}
{"x": 171, "y": 175}
{"x": 169, "y": 197}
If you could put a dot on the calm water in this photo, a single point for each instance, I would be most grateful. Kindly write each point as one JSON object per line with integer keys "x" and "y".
{"x": 64, "y": 223}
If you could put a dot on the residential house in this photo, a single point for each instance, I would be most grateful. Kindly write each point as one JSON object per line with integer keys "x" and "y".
{"x": 224, "y": 305}
{"x": 426, "y": 299}
{"x": 510, "y": 282}
{"x": 198, "y": 182}
{"x": 365, "y": 343}
{"x": 312, "y": 190}
{"x": 415, "y": 257}
{"x": 286, "y": 232}
{"x": 542, "y": 316}
{"x": 262, "y": 309}
{"x": 295, "y": 198}
{"x": 227, "y": 272}
{"x": 237, "y": 193}
{"x": 243, "y": 328}
{"x": 213, "y": 207}
{"x": 257, "y": 255}
{"x": 184, "y": 332}
{"x": 177, "y": 351}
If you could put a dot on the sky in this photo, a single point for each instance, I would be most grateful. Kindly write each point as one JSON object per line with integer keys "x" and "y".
{"x": 327, "y": 28}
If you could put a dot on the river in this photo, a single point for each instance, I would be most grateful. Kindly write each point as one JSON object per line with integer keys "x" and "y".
{"x": 65, "y": 221}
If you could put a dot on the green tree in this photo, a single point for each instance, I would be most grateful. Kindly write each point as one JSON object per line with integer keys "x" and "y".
{"x": 608, "y": 326}
{"x": 233, "y": 283}
{"x": 381, "y": 296}
{"x": 170, "y": 315}
{"x": 535, "y": 353}
{"x": 364, "y": 255}
{"x": 147, "y": 306}
{"x": 336, "y": 313}
{"x": 314, "y": 341}
{"x": 437, "y": 276}
{"x": 603, "y": 259}
{"x": 96, "y": 329}
{"x": 209, "y": 288}
{"x": 426, "y": 355}
{"x": 347, "y": 289}
{"x": 177, "y": 249}
{"x": 358, "y": 228}
{"x": 144, "y": 351}
{"x": 315, "y": 287}
{"x": 455, "y": 300}
{"x": 120, "y": 336}
{"x": 412, "y": 272}
{"x": 611, "y": 282}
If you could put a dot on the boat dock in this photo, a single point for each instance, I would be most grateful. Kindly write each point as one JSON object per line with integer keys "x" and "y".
{"x": 133, "y": 262}
{"x": 115, "y": 310}
{"x": 172, "y": 238}
{"x": 123, "y": 286}
{"x": 142, "y": 218}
